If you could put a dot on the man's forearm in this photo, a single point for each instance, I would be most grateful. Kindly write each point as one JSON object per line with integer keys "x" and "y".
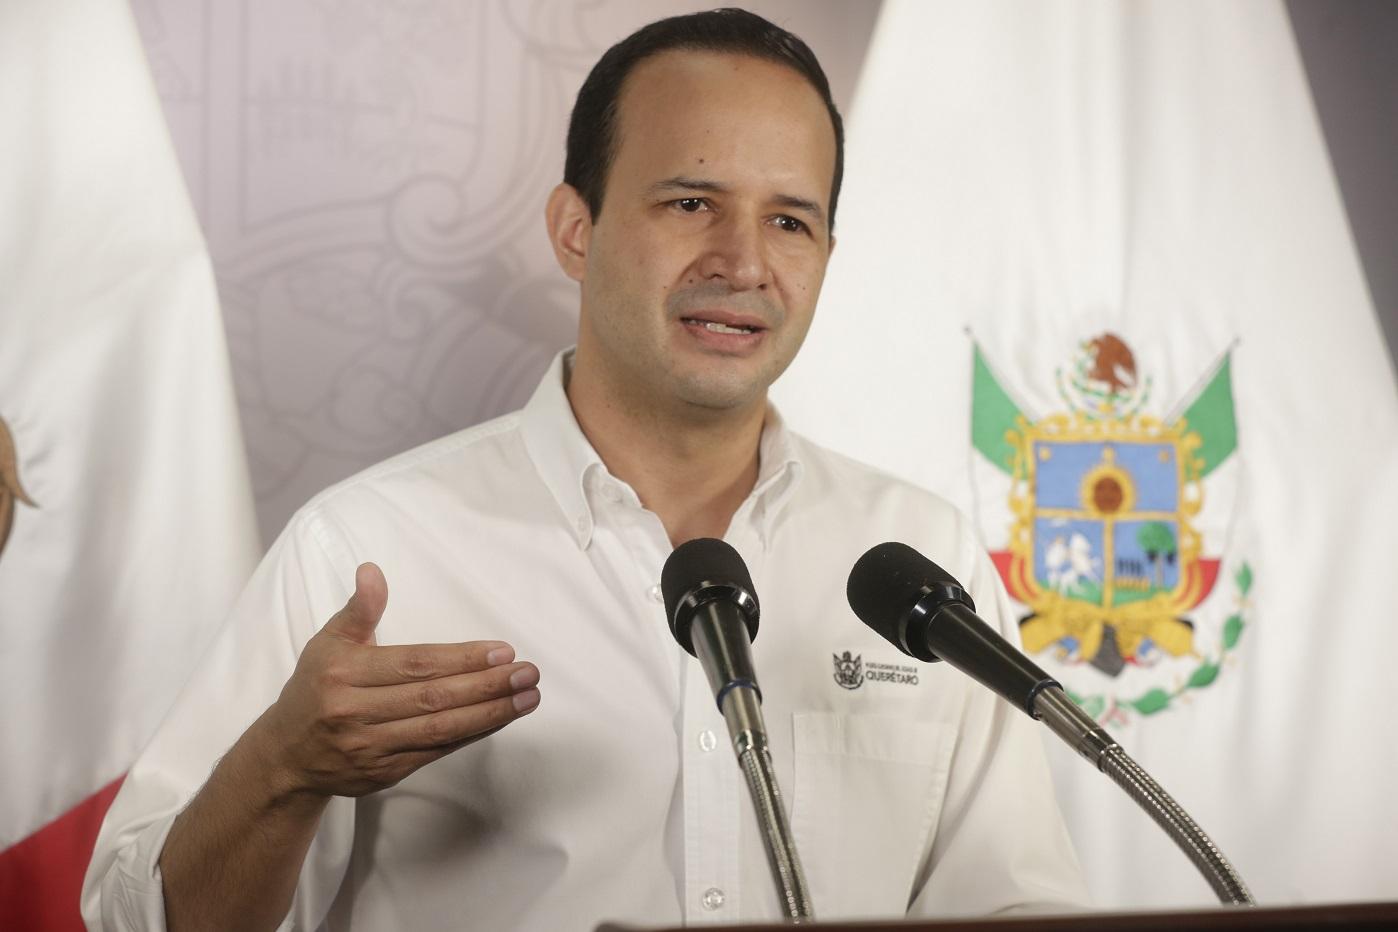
{"x": 233, "y": 857}
{"x": 354, "y": 718}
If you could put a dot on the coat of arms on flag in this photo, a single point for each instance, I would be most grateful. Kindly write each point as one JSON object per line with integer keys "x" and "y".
{"x": 1109, "y": 524}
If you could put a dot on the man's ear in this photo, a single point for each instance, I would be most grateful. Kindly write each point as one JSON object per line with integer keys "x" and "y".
{"x": 569, "y": 224}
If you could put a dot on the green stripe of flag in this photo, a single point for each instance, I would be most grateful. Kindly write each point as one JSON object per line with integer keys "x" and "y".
{"x": 1211, "y": 417}
{"x": 993, "y": 415}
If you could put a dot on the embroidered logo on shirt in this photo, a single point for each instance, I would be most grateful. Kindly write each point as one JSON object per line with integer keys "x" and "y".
{"x": 849, "y": 670}
{"x": 897, "y": 674}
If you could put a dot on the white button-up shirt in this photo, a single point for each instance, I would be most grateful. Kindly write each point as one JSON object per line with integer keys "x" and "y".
{"x": 910, "y": 788}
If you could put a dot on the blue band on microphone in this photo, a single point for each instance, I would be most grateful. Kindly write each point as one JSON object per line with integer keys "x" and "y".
{"x": 747, "y": 684}
{"x": 1034, "y": 694}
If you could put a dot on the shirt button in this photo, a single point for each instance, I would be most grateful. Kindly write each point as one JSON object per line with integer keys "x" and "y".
{"x": 707, "y": 742}
{"x": 655, "y": 594}
{"x": 712, "y": 899}
{"x": 582, "y": 524}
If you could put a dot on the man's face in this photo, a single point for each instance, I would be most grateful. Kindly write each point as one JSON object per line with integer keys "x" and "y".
{"x": 703, "y": 268}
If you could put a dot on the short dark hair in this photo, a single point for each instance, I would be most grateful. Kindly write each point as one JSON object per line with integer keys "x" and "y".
{"x": 592, "y": 131}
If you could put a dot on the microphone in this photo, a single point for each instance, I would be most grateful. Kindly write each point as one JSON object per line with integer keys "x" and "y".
{"x": 924, "y": 612}
{"x": 711, "y": 607}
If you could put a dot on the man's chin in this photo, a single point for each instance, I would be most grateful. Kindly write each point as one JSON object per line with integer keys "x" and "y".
{"x": 719, "y": 393}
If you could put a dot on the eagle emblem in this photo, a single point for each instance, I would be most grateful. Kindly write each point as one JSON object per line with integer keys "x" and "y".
{"x": 10, "y": 488}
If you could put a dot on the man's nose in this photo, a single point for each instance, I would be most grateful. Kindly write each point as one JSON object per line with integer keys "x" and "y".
{"x": 736, "y": 252}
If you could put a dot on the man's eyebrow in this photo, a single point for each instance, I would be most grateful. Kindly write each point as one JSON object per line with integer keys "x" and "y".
{"x": 790, "y": 201}
{"x": 801, "y": 204}
{"x": 680, "y": 183}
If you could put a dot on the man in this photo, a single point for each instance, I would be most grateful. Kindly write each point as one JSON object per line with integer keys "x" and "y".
{"x": 371, "y": 789}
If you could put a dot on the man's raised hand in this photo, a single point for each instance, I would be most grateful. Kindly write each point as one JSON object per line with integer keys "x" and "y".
{"x": 356, "y": 717}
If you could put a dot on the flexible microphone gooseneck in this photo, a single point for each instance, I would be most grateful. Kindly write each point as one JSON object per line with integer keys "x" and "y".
{"x": 924, "y": 612}
{"x": 712, "y": 610}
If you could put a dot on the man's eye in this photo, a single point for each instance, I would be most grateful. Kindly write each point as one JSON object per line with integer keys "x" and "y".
{"x": 690, "y": 205}
{"x": 790, "y": 224}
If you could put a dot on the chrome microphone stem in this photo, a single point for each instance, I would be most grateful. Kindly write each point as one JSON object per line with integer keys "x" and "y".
{"x": 1084, "y": 735}
{"x": 722, "y": 647}
{"x": 713, "y": 611}
{"x": 1078, "y": 729}
{"x": 742, "y": 710}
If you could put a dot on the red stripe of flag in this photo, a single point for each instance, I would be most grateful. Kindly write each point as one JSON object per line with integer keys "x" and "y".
{"x": 41, "y": 877}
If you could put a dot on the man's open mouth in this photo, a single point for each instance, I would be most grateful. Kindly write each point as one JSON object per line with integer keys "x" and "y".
{"x": 714, "y": 326}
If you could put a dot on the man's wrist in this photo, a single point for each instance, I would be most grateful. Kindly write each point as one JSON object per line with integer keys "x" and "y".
{"x": 262, "y": 766}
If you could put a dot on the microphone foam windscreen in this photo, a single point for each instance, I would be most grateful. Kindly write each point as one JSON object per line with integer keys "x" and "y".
{"x": 887, "y": 582}
{"x": 702, "y": 560}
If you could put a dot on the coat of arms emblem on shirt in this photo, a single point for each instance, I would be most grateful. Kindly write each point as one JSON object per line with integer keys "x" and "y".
{"x": 1109, "y": 524}
{"x": 849, "y": 671}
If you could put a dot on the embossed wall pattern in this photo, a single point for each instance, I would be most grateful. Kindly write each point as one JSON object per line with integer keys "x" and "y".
{"x": 370, "y": 175}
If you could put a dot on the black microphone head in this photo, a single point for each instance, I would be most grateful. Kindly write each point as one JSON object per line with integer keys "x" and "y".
{"x": 701, "y": 571}
{"x": 889, "y": 583}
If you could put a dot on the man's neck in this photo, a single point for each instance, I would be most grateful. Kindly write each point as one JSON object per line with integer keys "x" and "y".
{"x": 692, "y": 468}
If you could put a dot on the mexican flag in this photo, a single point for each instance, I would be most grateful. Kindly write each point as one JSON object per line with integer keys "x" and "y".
{"x": 126, "y": 523}
{"x": 1095, "y": 284}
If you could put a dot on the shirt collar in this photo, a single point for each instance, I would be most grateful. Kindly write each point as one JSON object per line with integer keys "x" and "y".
{"x": 566, "y": 460}
{"x": 559, "y": 448}
{"x": 778, "y": 473}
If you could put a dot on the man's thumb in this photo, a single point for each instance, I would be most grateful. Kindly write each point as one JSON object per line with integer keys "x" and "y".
{"x": 361, "y": 614}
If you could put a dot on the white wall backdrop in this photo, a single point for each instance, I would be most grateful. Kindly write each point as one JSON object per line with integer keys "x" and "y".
{"x": 371, "y": 176}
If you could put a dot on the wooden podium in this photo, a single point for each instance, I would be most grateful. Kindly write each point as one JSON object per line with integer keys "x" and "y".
{"x": 1344, "y": 916}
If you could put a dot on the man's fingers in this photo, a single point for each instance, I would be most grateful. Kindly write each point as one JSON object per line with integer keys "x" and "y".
{"x": 409, "y": 700}
{"x": 361, "y": 614}
{"x": 410, "y": 761}
{"x": 414, "y": 663}
{"x": 441, "y": 730}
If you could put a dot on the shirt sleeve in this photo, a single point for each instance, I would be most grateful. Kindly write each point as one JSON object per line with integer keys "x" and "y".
{"x": 1001, "y": 846}
{"x": 305, "y": 577}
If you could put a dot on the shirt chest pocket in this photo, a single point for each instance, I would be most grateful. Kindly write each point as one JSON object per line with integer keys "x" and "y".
{"x": 866, "y": 798}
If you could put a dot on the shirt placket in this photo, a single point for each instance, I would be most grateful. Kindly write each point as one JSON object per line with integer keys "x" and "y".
{"x": 711, "y": 781}
{"x": 712, "y": 807}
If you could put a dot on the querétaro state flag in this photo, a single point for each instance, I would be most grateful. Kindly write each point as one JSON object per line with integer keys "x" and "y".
{"x": 1094, "y": 283}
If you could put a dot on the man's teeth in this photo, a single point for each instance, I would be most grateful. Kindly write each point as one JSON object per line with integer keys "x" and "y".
{"x": 716, "y": 327}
